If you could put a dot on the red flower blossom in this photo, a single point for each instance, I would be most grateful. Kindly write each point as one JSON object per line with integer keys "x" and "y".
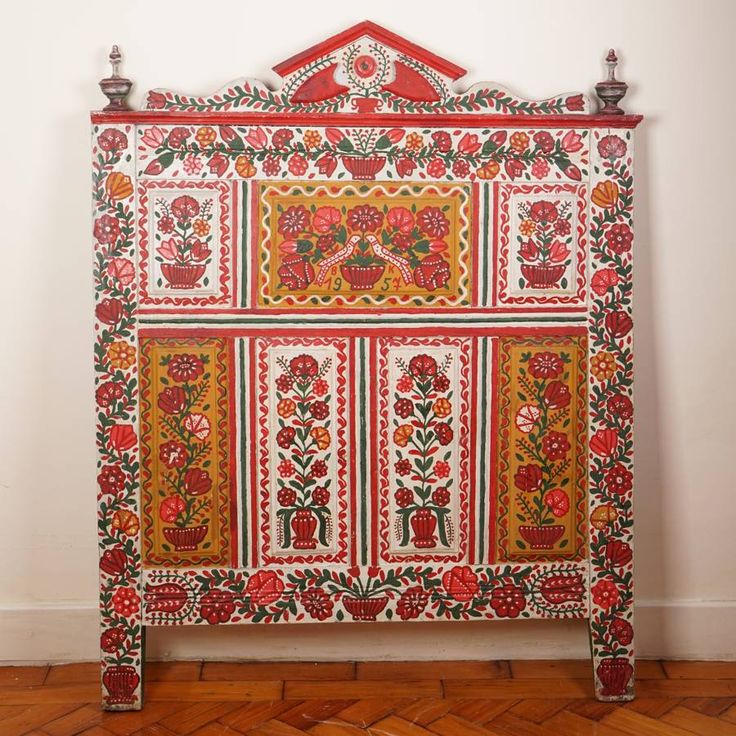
{"x": 514, "y": 168}
{"x": 271, "y": 166}
{"x": 264, "y": 587}
{"x": 441, "y": 496}
{"x": 622, "y": 631}
{"x": 284, "y": 382}
{"x": 557, "y": 501}
{"x": 618, "y": 323}
{"x": 217, "y": 606}
{"x": 365, "y": 218}
{"x": 544, "y": 140}
{"x": 319, "y": 469}
{"x": 404, "y": 384}
{"x": 184, "y": 207}
{"x": 573, "y": 172}
{"x": 604, "y": 442}
{"x": 285, "y": 437}
{"x": 166, "y": 224}
{"x": 441, "y": 383}
{"x": 557, "y": 395}
{"x": 155, "y": 101}
{"x": 619, "y": 238}
{"x": 611, "y": 146}
{"x": 172, "y": 400}
{"x": 126, "y": 601}
{"x": 106, "y": 229}
{"x": 444, "y": 433}
{"x": 405, "y": 166}
{"x": 111, "y": 479}
{"x": 303, "y": 367}
{"x": 422, "y": 366}
{"x": 432, "y": 273}
{"x": 442, "y": 469}
{"x": 619, "y": 479}
{"x": 572, "y": 142}
{"x": 403, "y": 241}
{"x": 185, "y": 367}
{"x": 122, "y": 437}
{"x": 461, "y": 168}
{"x": 403, "y": 466}
{"x": 112, "y": 639}
{"x": 404, "y": 497}
{"x": 404, "y": 408}
{"x": 319, "y": 410}
{"x": 286, "y": 468}
{"x": 281, "y": 138}
{"x": 297, "y": 165}
{"x": 545, "y": 365}
{"x": 461, "y": 583}
{"x": 605, "y": 594}
{"x": 173, "y": 454}
{"x": 295, "y": 271}
{"x": 109, "y": 392}
{"x": 543, "y": 211}
{"x": 575, "y": 103}
{"x": 112, "y": 140}
{"x": 469, "y": 144}
{"x": 197, "y": 482}
{"x": 294, "y": 220}
{"x": 286, "y": 496}
{"x": 436, "y": 168}
{"x": 170, "y": 508}
{"x": 320, "y": 387}
{"x": 317, "y": 603}
{"x": 528, "y": 478}
{"x": 326, "y": 164}
{"x": 412, "y": 602}
{"x": 432, "y": 221}
{"x": 109, "y": 311}
{"x": 620, "y": 406}
{"x": 507, "y": 601}
{"x": 529, "y": 250}
{"x": 442, "y": 141}
{"x": 618, "y": 553}
{"x": 178, "y": 136}
{"x": 401, "y": 219}
{"x": 114, "y": 561}
{"x": 320, "y": 496}
{"x": 218, "y": 164}
{"x": 555, "y": 445}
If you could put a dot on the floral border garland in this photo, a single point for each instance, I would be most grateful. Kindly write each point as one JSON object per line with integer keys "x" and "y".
{"x": 413, "y": 592}
{"x": 611, "y": 412}
{"x": 278, "y": 152}
{"x": 116, "y": 397}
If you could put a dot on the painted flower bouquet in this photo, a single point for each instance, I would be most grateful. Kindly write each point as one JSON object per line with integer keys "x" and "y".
{"x": 543, "y": 453}
{"x": 544, "y": 243}
{"x": 183, "y": 234}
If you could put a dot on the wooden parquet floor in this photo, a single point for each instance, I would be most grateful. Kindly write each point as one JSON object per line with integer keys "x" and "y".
{"x": 519, "y": 698}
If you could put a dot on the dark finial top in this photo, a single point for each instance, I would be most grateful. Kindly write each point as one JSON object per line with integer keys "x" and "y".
{"x": 611, "y": 91}
{"x": 115, "y": 87}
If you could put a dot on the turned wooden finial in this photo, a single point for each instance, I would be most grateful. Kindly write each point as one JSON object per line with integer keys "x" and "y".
{"x": 611, "y": 91}
{"x": 115, "y": 87}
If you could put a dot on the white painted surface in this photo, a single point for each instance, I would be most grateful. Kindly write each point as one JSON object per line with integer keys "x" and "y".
{"x": 676, "y": 55}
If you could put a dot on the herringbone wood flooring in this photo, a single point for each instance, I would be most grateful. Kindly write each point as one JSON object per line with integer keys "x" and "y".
{"x": 520, "y": 698}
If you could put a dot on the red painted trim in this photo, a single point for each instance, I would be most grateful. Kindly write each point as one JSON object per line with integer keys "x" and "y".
{"x": 235, "y": 241}
{"x": 255, "y": 242}
{"x": 234, "y": 520}
{"x": 354, "y": 532}
{"x": 475, "y": 243}
{"x": 379, "y": 33}
{"x": 472, "y": 519}
{"x": 372, "y": 381}
{"x": 492, "y": 505}
{"x": 255, "y": 512}
{"x": 494, "y": 269}
{"x": 427, "y": 120}
{"x": 393, "y": 312}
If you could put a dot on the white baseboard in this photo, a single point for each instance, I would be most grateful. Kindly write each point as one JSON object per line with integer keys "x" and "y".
{"x": 669, "y": 629}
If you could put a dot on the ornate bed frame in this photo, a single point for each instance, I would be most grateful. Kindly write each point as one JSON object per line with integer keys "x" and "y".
{"x": 363, "y": 352}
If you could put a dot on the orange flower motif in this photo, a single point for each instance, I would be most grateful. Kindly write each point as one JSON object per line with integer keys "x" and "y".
{"x": 402, "y": 434}
{"x": 519, "y": 141}
{"x": 489, "y": 171}
{"x": 442, "y": 408}
{"x": 201, "y": 227}
{"x": 527, "y": 228}
{"x": 286, "y": 408}
{"x": 605, "y": 194}
{"x": 414, "y": 142}
{"x": 244, "y": 167}
{"x": 312, "y": 139}
{"x": 206, "y": 136}
{"x": 603, "y": 365}
{"x": 118, "y": 186}
{"x": 321, "y": 436}
{"x": 127, "y": 522}
{"x": 121, "y": 355}
{"x": 603, "y": 515}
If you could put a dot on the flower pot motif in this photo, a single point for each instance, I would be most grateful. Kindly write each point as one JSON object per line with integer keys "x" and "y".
{"x": 541, "y": 537}
{"x": 542, "y": 277}
{"x": 362, "y": 278}
{"x": 120, "y": 681}
{"x": 185, "y": 539}
{"x": 183, "y": 275}
{"x": 424, "y": 523}
{"x": 365, "y": 609}
{"x": 304, "y": 525}
{"x": 614, "y": 675}
{"x": 364, "y": 168}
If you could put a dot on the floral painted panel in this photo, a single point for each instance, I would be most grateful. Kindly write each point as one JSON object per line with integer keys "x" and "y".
{"x": 186, "y": 243}
{"x": 541, "y": 477}
{"x": 186, "y": 452}
{"x": 423, "y": 447}
{"x": 364, "y": 245}
{"x": 303, "y": 449}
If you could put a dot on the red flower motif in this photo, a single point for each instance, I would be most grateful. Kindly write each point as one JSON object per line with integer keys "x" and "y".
{"x": 109, "y": 392}
{"x": 172, "y": 400}
{"x": 365, "y": 218}
{"x": 605, "y": 594}
{"x": 441, "y": 383}
{"x": 155, "y": 101}
{"x": 405, "y": 166}
{"x": 603, "y": 280}
{"x": 562, "y": 588}
{"x": 461, "y": 168}
{"x": 422, "y": 366}
{"x": 285, "y": 437}
{"x": 611, "y": 146}
{"x": 573, "y": 172}
{"x": 543, "y": 211}
{"x": 572, "y": 142}
{"x": 442, "y": 141}
{"x": 166, "y": 224}
{"x": 507, "y": 601}
{"x": 528, "y": 478}
{"x": 621, "y": 406}
{"x": 321, "y": 496}
{"x": 469, "y": 144}
{"x": 545, "y": 365}
{"x": 286, "y": 468}
{"x": 303, "y": 367}
{"x": 106, "y": 229}
{"x": 114, "y": 561}
{"x": 404, "y": 384}
{"x": 178, "y": 136}
{"x": 401, "y": 219}
{"x": 264, "y": 587}
{"x": 441, "y": 496}
{"x": 112, "y": 140}
{"x": 514, "y": 168}
{"x": 604, "y": 442}
{"x": 281, "y": 138}
{"x": 184, "y": 207}
{"x": 319, "y": 410}
{"x": 109, "y": 311}
{"x": 432, "y": 273}
{"x": 404, "y": 408}
{"x": 320, "y": 387}
{"x": 185, "y": 367}
{"x": 170, "y": 508}
{"x": 284, "y": 382}
{"x": 555, "y": 445}
{"x": 619, "y": 238}
{"x": 400, "y": 240}
{"x": 618, "y": 553}
{"x": 432, "y": 221}
{"x": 436, "y": 168}
{"x": 557, "y": 395}
{"x": 217, "y": 606}
{"x": 404, "y": 497}
{"x": 122, "y": 437}
{"x": 317, "y": 603}
{"x": 126, "y": 601}
{"x": 618, "y": 324}
{"x": 622, "y": 631}
{"x": 112, "y": 639}
{"x": 197, "y": 482}
{"x": 461, "y": 583}
{"x": 297, "y": 165}
{"x": 442, "y": 469}
{"x": 413, "y": 601}
{"x": 294, "y": 220}
{"x": 403, "y": 466}
{"x": 286, "y": 496}
{"x": 271, "y": 166}
{"x": 529, "y": 250}
{"x": 218, "y": 164}
{"x": 444, "y": 433}
{"x": 319, "y": 469}
{"x": 173, "y": 454}
{"x": 619, "y": 480}
{"x": 544, "y": 140}
{"x": 111, "y": 479}
{"x": 575, "y": 103}
{"x": 326, "y": 164}
{"x": 557, "y": 501}
{"x": 295, "y": 272}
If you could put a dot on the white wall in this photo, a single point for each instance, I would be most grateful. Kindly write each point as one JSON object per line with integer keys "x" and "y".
{"x": 677, "y": 60}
